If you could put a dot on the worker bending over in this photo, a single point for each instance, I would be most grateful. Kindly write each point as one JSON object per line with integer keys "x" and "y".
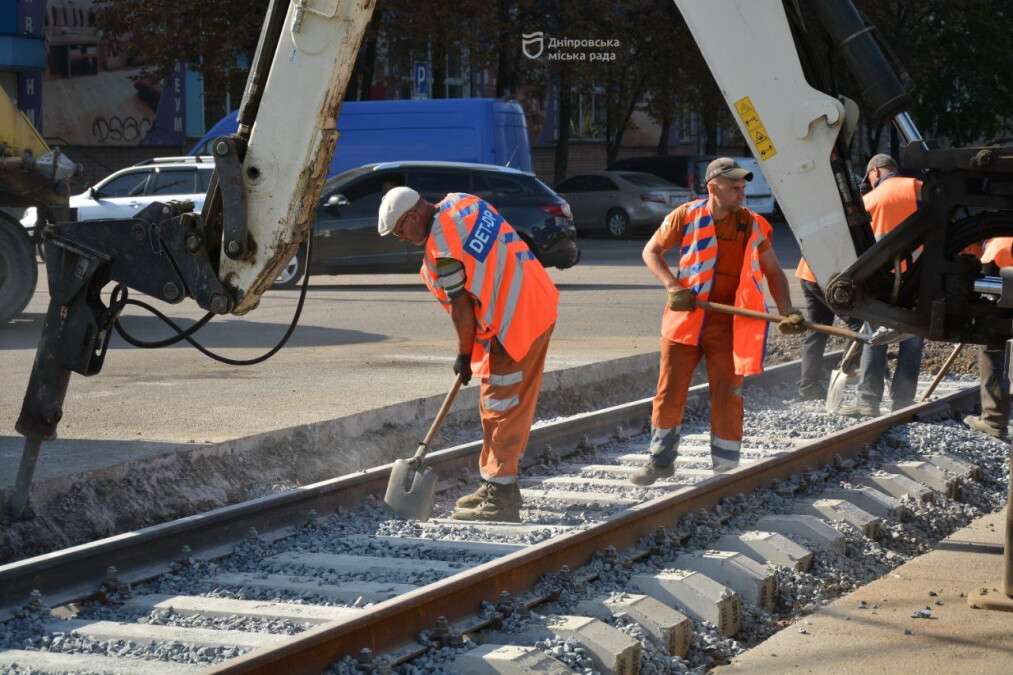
{"x": 724, "y": 254}
{"x": 503, "y": 306}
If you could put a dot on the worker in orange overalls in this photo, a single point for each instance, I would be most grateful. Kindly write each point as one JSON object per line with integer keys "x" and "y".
{"x": 995, "y": 401}
{"x": 503, "y": 305}
{"x": 725, "y": 254}
{"x": 892, "y": 199}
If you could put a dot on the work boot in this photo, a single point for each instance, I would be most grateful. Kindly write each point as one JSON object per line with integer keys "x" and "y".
{"x": 650, "y": 472}
{"x": 980, "y": 425}
{"x": 501, "y": 503}
{"x": 475, "y": 498}
{"x": 859, "y": 409}
{"x": 723, "y": 464}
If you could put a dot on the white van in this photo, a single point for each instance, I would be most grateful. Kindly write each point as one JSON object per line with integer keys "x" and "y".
{"x": 759, "y": 196}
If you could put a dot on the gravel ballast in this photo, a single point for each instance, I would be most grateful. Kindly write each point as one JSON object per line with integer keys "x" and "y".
{"x": 774, "y": 418}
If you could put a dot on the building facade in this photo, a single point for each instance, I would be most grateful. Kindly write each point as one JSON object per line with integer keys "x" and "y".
{"x": 23, "y": 54}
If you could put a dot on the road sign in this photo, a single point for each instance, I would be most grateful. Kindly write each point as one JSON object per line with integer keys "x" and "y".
{"x": 421, "y": 76}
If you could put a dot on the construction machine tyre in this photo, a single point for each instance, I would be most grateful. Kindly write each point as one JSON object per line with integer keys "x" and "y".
{"x": 18, "y": 270}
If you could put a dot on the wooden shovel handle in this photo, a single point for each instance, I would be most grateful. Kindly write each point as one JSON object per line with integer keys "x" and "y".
{"x": 945, "y": 368}
{"x": 438, "y": 422}
{"x": 777, "y": 318}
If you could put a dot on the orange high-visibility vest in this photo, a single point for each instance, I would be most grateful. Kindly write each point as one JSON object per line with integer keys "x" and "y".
{"x": 699, "y": 251}
{"x": 515, "y": 300}
{"x": 998, "y": 250}
{"x": 804, "y": 272}
{"x": 891, "y": 202}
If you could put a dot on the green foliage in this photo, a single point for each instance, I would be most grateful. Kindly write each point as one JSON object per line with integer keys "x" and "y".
{"x": 956, "y": 51}
{"x": 957, "y": 54}
{"x": 214, "y": 38}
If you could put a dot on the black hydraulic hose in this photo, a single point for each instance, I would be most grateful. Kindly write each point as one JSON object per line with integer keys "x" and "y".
{"x": 881, "y": 87}
{"x": 263, "y": 57}
{"x": 120, "y": 299}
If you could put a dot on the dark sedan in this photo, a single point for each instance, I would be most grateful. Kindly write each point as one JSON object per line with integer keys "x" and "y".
{"x": 345, "y": 239}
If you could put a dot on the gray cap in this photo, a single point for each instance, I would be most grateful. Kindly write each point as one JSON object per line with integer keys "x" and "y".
{"x": 726, "y": 167}
{"x": 880, "y": 161}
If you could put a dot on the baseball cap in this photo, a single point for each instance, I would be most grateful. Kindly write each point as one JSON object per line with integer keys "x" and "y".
{"x": 726, "y": 167}
{"x": 880, "y": 161}
{"x": 397, "y": 202}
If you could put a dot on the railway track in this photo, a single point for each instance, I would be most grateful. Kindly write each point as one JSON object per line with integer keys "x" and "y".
{"x": 303, "y": 592}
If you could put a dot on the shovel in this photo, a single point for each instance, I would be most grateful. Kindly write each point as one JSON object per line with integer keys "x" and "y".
{"x": 945, "y": 368}
{"x": 777, "y": 318}
{"x": 411, "y": 489}
{"x": 839, "y": 377}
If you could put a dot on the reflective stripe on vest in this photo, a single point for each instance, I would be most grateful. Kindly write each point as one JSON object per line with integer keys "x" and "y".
{"x": 515, "y": 300}
{"x": 698, "y": 257}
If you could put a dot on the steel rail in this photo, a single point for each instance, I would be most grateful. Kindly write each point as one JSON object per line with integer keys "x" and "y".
{"x": 396, "y": 622}
{"x": 76, "y": 573}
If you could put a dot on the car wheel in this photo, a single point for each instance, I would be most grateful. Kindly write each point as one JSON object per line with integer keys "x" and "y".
{"x": 293, "y": 271}
{"x": 617, "y": 223}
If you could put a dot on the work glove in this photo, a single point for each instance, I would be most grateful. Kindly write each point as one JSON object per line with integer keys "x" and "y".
{"x": 462, "y": 367}
{"x": 681, "y": 299}
{"x": 793, "y": 324}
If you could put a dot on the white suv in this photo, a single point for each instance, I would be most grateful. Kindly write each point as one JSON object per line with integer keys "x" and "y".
{"x": 129, "y": 190}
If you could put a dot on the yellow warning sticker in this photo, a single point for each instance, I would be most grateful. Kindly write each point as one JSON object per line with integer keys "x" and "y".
{"x": 751, "y": 120}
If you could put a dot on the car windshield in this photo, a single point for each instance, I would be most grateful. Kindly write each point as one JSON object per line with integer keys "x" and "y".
{"x": 345, "y": 177}
{"x": 646, "y": 180}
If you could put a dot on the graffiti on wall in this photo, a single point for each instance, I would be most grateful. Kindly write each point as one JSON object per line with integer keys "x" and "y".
{"x": 93, "y": 93}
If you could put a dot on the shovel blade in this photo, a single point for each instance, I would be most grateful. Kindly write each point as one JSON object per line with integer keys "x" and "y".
{"x": 411, "y": 493}
{"x": 836, "y": 389}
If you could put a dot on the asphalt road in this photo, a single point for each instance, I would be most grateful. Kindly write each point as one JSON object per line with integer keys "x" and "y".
{"x": 364, "y": 341}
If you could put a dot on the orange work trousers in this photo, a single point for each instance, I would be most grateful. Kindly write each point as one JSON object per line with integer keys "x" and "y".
{"x": 507, "y": 406}
{"x": 678, "y": 361}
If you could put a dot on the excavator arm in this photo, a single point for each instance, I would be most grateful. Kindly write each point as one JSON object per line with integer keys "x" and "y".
{"x": 258, "y": 210}
{"x": 763, "y": 55}
{"x": 272, "y": 171}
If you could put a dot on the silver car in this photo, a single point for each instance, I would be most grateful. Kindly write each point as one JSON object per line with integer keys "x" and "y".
{"x": 620, "y": 203}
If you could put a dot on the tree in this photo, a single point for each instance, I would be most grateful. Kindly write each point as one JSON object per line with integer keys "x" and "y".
{"x": 436, "y": 31}
{"x": 217, "y": 39}
{"x": 956, "y": 54}
{"x": 665, "y": 72}
{"x": 625, "y": 79}
{"x": 366, "y": 65}
{"x": 679, "y": 79}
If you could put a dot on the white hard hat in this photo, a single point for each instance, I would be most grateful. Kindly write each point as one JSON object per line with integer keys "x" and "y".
{"x": 397, "y": 202}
